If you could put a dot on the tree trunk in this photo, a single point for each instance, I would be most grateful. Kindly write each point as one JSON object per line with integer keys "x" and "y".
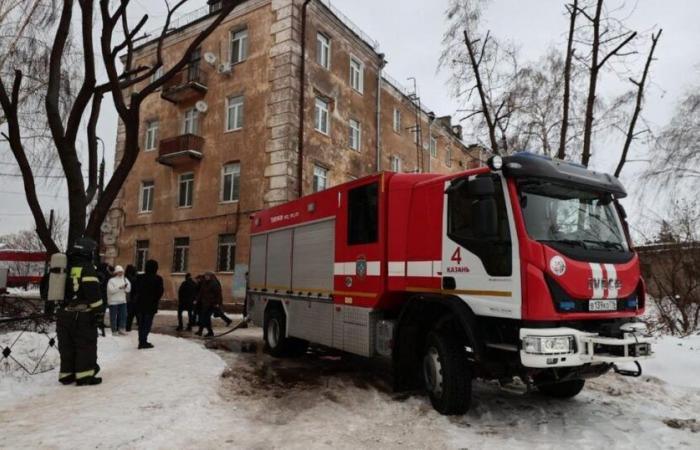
{"x": 592, "y": 86}
{"x": 561, "y": 154}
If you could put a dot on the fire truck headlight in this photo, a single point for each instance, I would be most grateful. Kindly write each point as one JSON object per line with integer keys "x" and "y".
{"x": 548, "y": 345}
{"x": 495, "y": 162}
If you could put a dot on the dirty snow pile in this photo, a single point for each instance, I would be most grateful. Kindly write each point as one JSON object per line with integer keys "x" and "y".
{"x": 181, "y": 395}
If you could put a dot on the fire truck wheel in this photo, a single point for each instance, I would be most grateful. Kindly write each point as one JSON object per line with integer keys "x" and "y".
{"x": 446, "y": 374}
{"x": 276, "y": 342}
{"x": 565, "y": 389}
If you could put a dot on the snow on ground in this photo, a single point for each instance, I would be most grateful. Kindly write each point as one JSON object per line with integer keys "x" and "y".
{"x": 181, "y": 395}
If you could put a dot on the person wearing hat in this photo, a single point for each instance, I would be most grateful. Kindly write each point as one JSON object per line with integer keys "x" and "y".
{"x": 78, "y": 317}
{"x": 117, "y": 289}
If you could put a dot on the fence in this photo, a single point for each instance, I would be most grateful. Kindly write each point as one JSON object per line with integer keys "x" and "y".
{"x": 27, "y": 336}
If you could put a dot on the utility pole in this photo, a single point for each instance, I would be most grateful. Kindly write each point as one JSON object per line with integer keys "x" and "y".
{"x": 100, "y": 190}
{"x": 46, "y": 263}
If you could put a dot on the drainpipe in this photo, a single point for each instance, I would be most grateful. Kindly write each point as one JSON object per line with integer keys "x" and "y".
{"x": 382, "y": 63}
{"x": 302, "y": 93}
{"x": 431, "y": 119}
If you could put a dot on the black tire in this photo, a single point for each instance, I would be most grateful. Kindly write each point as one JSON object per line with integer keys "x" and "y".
{"x": 446, "y": 374}
{"x": 564, "y": 389}
{"x": 277, "y": 343}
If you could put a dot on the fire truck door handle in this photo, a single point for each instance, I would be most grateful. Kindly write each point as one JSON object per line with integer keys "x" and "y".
{"x": 449, "y": 283}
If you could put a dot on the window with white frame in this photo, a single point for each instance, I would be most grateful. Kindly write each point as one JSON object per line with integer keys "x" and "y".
{"x": 321, "y": 117}
{"x": 397, "y": 121}
{"x": 141, "y": 255}
{"x": 151, "y": 135}
{"x": 433, "y": 147}
{"x": 448, "y": 157}
{"x": 227, "y": 253}
{"x": 185, "y": 190}
{"x": 395, "y": 164}
{"x": 146, "y": 196}
{"x": 239, "y": 46}
{"x": 157, "y": 74}
{"x": 190, "y": 122}
{"x": 323, "y": 50}
{"x": 355, "y": 134}
{"x": 234, "y": 113}
{"x": 181, "y": 254}
{"x": 357, "y": 74}
{"x": 320, "y": 178}
{"x": 230, "y": 182}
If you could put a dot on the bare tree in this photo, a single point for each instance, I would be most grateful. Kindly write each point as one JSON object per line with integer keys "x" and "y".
{"x": 676, "y": 151}
{"x": 671, "y": 265}
{"x": 128, "y": 87}
{"x": 28, "y": 240}
{"x": 566, "y": 99}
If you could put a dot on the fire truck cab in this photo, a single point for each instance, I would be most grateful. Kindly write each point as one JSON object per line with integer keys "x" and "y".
{"x": 522, "y": 268}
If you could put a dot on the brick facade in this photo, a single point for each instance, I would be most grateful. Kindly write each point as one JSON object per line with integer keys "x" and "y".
{"x": 266, "y": 146}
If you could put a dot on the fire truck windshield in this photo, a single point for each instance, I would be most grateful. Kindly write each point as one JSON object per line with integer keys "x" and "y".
{"x": 571, "y": 217}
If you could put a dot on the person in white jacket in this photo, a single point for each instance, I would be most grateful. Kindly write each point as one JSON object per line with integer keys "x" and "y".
{"x": 117, "y": 288}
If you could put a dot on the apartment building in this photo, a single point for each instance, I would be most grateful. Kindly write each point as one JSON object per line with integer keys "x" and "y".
{"x": 284, "y": 98}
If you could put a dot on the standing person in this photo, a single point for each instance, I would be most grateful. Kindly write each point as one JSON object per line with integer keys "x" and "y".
{"x": 130, "y": 275}
{"x": 209, "y": 298}
{"x": 149, "y": 286}
{"x": 78, "y": 317}
{"x": 218, "y": 308}
{"x": 185, "y": 301}
{"x": 118, "y": 288}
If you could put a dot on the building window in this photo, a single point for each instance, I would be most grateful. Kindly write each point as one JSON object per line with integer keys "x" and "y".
{"x": 395, "y": 164}
{"x": 186, "y": 189}
{"x": 151, "y": 135}
{"x": 190, "y": 122}
{"x": 146, "y": 196}
{"x": 227, "y": 253}
{"x": 141, "y": 255}
{"x": 157, "y": 74}
{"x": 355, "y": 134}
{"x": 433, "y": 147}
{"x": 323, "y": 50}
{"x": 320, "y": 178}
{"x": 230, "y": 182}
{"x": 321, "y": 116}
{"x": 397, "y": 121}
{"x": 357, "y": 74}
{"x": 448, "y": 157}
{"x": 181, "y": 254}
{"x": 234, "y": 113}
{"x": 239, "y": 46}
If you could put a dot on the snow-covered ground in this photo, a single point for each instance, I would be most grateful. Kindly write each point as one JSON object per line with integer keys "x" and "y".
{"x": 182, "y": 395}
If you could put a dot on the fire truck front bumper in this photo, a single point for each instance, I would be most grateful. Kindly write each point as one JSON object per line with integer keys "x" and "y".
{"x": 567, "y": 347}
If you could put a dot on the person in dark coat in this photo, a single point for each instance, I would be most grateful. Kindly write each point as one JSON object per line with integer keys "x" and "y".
{"x": 130, "y": 274}
{"x": 185, "y": 301}
{"x": 149, "y": 287}
{"x": 209, "y": 298}
{"x": 218, "y": 309}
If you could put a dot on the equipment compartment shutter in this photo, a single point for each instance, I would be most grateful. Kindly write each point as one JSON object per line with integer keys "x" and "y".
{"x": 314, "y": 255}
{"x": 258, "y": 250}
{"x": 279, "y": 271}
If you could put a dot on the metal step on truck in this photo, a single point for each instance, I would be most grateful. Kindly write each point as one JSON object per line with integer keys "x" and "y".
{"x": 523, "y": 268}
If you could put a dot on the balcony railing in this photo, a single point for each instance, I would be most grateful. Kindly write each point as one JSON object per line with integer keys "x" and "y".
{"x": 183, "y": 149}
{"x": 187, "y": 84}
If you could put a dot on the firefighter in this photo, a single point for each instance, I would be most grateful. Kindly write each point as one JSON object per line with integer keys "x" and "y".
{"x": 79, "y": 316}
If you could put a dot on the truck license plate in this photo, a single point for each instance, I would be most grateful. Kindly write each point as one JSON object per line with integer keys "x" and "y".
{"x": 602, "y": 305}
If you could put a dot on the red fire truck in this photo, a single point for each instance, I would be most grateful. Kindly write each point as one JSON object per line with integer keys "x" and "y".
{"x": 522, "y": 268}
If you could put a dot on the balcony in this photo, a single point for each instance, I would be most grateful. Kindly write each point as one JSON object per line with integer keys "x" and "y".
{"x": 188, "y": 84}
{"x": 182, "y": 150}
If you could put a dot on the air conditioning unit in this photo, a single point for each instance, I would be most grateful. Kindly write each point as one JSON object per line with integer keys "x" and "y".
{"x": 225, "y": 68}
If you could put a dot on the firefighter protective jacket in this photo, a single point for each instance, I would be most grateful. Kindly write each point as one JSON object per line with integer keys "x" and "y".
{"x": 83, "y": 287}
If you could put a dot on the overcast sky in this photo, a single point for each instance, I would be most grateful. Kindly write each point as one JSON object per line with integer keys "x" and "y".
{"x": 410, "y": 32}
